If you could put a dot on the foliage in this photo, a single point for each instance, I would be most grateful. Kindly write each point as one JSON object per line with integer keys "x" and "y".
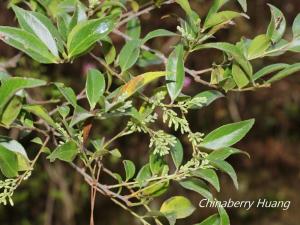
{"x": 52, "y": 33}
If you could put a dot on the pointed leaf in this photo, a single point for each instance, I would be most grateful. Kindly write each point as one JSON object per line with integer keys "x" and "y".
{"x": 41, "y": 26}
{"x": 286, "y": 72}
{"x": 296, "y": 27}
{"x": 179, "y": 206}
{"x": 40, "y": 112}
{"x": 12, "y": 111}
{"x": 258, "y": 46}
{"x": 177, "y": 153}
{"x": 239, "y": 76}
{"x": 212, "y": 220}
{"x": 277, "y": 25}
{"x": 27, "y": 43}
{"x": 95, "y": 86}
{"x": 8, "y": 162}
{"x": 269, "y": 69}
{"x": 226, "y": 168}
{"x": 13, "y": 84}
{"x": 227, "y": 135}
{"x": 198, "y": 186}
{"x": 85, "y": 34}
{"x": 221, "y": 17}
{"x": 210, "y": 96}
{"x": 129, "y": 54}
{"x": 209, "y": 175}
{"x": 175, "y": 72}
{"x": 129, "y": 169}
{"x": 224, "y": 153}
{"x": 66, "y": 152}
{"x": 157, "y": 33}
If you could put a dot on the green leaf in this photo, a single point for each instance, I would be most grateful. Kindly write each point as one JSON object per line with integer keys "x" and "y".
{"x": 296, "y": 27}
{"x": 27, "y": 43}
{"x": 227, "y": 135}
{"x": 95, "y": 86}
{"x": 13, "y": 84}
{"x": 41, "y": 26}
{"x": 133, "y": 28}
{"x": 129, "y": 169}
{"x": 233, "y": 51}
{"x": 40, "y": 112}
{"x": 185, "y": 5}
{"x": 224, "y": 218}
{"x": 66, "y": 152}
{"x": 137, "y": 83}
{"x": 212, "y": 220}
{"x": 210, "y": 96}
{"x": 68, "y": 93}
{"x": 156, "y": 163}
{"x": 269, "y": 69}
{"x": 198, "y": 186}
{"x": 224, "y": 153}
{"x": 277, "y": 25}
{"x": 157, "y": 33}
{"x": 8, "y": 162}
{"x": 109, "y": 50}
{"x": 175, "y": 72}
{"x": 220, "y": 17}
{"x": 258, "y": 46}
{"x": 18, "y": 149}
{"x": 177, "y": 153}
{"x": 129, "y": 54}
{"x": 143, "y": 175}
{"x": 227, "y": 168}
{"x": 85, "y": 34}
{"x": 179, "y": 206}
{"x": 11, "y": 111}
{"x": 286, "y": 72}
{"x": 217, "y": 4}
{"x": 239, "y": 76}
{"x": 209, "y": 175}
{"x": 243, "y": 4}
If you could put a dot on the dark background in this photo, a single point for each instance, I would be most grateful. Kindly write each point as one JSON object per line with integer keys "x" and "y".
{"x": 54, "y": 195}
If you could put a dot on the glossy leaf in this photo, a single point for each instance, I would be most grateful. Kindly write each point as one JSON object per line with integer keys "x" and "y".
{"x": 258, "y": 46}
{"x": 129, "y": 54}
{"x": 18, "y": 149}
{"x": 65, "y": 152}
{"x": 129, "y": 169}
{"x": 227, "y": 135}
{"x": 138, "y": 82}
{"x": 217, "y": 4}
{"x": 269, "y": 69}
{"x": 277, "y": 25}
{"x": 109, "y": 50}
{"x": 291, "y": 69}
{"x": 85, "y": 34}
{"x": 68, "y": 93}
{"x": 224, "y": 153}
{"x": 210, "y": 96}
{"x": 179, "y": 206}
{"x": 41, "y": 26}
{"x": 133, "y": 28}
{"x": 156, "y": 163}
{"x": 27, "y": 43}
{"x": 296, "y": 27}
{"x": 212, "y": 220}
{"x": 224, "y": 218}
{"x": 157, "y": 33}
{"x": 11, "y": 111}
{"x": 8, "y": 162}
{"x": 13, "y": 84}
{"x": 209, "y": 175}
{"x": 239, "y": 76}
{"x": 177, "y": 153}
{"x": 40, "y": 112}
{"x": 175, "y": 72}
{"x": 95, "y": 86}
{"x": 243, "y": 4}
{"x": 226, "y": 168}
{"x": 143, "y": 175}
{"x": 220, "y": 17}
{"x": 233, "y": 51}
{"x": 198, "y": 186}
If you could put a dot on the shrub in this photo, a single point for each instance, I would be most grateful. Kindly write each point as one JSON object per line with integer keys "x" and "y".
{"x": 52, "y": 33}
